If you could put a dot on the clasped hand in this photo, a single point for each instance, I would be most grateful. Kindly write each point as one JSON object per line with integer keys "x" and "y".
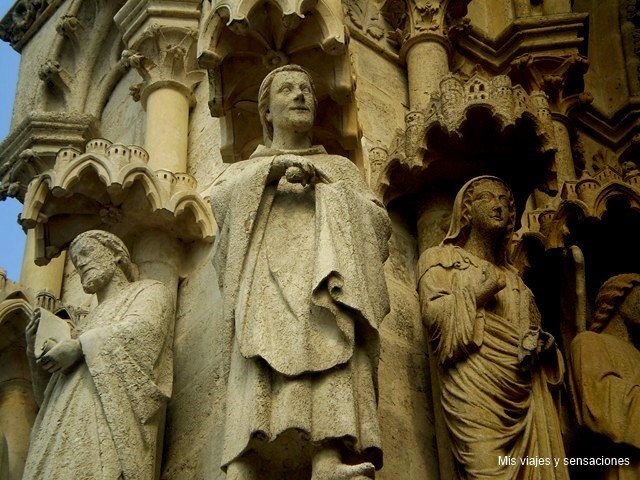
{"x": 295, "y": 169}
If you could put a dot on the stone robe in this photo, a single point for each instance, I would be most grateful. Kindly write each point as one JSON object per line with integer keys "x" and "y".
{"x": 303, "y": 287}
{"x": 100, "y": 421}
{"x": 606, "y": 378}
{"x": 491, "y": 405}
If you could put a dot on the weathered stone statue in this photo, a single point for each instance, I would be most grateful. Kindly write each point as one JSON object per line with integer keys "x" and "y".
{"x": 109, "y": 383}
{"x": 605, "y": 363}
{"x": 299, "y": 257}
{"x": 495, "y": 362}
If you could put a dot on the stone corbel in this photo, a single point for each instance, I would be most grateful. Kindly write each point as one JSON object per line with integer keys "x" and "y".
{"x": 70, "y": 27}
{"x": 50, "y": 72}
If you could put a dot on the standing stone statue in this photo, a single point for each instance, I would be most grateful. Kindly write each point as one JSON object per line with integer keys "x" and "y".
{"x": 605, "y": 363}
{"x": 109, "y": 383}
{"x": 299, "y": 258}
{"x": 495, "y": 362}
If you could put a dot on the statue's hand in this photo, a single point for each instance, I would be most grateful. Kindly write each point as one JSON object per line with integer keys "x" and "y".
{"x": 62, "y": 356}
{"x": 31, "y": 330}
{"x": 295, "y": 168}
{"x": 493, "y": 280}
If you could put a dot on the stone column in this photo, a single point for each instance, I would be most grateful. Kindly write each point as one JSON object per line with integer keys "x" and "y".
{"x": 565, "y": 167}
{"x": 427, "y": 59}
{"x": 161, "y": 39}
{"x": 167, "y": 129}
{"x": 48, "y": 277}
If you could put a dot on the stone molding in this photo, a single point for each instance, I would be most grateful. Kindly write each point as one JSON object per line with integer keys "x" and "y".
{"x": 31, "y": 147}
{"x": 103, "y": 200}
{"x": 24, "y": 19}
{"x": 524, "y": 35}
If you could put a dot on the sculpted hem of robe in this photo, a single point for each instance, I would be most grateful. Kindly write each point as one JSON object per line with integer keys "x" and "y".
{"x": 606, "y": 379}
{"x": 304, "y": 291}
{"x": 103, "y": 414}
{"x": 491, "y": 405}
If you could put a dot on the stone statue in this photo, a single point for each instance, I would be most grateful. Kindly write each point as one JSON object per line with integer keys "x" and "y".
{"x": 104, "y": 401}
{"x": 495, "y": 363}
{"x": 299, "y": 258}
{"x": 605, "y": 365}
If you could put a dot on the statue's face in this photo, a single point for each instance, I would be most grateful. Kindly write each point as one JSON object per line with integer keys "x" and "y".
{"x": 630, "y": 308}
{"x": 291, "y": 102}
{"x": 490, "y": 207}
{"x": 95, "y": 264}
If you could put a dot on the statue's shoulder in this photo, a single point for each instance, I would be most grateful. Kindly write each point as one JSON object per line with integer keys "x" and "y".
{"x": 150, "y": 286}
{"x": 447, "y": 257}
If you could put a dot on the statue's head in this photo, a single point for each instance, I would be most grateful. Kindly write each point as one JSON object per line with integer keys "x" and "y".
{"x": 287, "y": 100}
{"x": 483, "y": 204}
{"x": 97, "y": 255}
{"x": 618, "y": 295}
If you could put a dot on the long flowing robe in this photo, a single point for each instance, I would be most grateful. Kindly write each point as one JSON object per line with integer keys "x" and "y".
{"x": 303, "y": 286}
{"x": 606, "y": 378}
{"x": 100, "y": 421}
{"x": 492, "y": 406}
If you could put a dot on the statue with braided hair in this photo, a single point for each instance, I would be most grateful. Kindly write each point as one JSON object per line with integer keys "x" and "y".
{"x": 605, "y": 366}
{"x": 106, "y": 387}
{"x": 299, "y": 259}
{"x": 495, "y": 362}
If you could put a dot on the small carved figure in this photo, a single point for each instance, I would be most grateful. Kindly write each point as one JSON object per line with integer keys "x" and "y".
{"x": 107, "y": 386}
{"x": 605, "y": 363}
{"x": 299, "y": 257}
{"x": 495, "y": 362}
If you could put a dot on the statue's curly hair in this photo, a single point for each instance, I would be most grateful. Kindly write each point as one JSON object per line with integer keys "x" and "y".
{"x": 265, "y": 91}
{"x": 610, "y": 296}
{"x": 113, "y": 243}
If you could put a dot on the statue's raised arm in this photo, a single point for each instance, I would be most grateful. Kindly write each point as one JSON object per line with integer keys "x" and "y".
{"x": 495, "y": 363}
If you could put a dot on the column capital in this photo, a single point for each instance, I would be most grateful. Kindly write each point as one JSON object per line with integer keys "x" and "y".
{"x": 160, "y": 38}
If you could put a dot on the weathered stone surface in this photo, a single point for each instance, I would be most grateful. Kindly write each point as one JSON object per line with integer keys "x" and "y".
{"x": 108, "y": 384}
{"x": 495, "y": 362}
{"x": 605, "y": 362}
{"x": 420, "y": 96}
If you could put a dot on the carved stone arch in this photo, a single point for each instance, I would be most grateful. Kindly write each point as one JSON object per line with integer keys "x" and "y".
{"x": 141, "y": 176}
{"x": 82, "y": 166}
{"x": 613, "y": 190}
{"x": 240, "y": 42}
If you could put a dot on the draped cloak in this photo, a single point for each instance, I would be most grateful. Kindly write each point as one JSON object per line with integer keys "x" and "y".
{"x": 300, "y": 269}
{"x": 100, "y": 421}
{"x": 606, "y": 378}
{"x": 492, "y": 406}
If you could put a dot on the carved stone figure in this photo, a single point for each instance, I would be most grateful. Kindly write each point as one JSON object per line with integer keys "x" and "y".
{"x": 605, "y": 363}
{"x": 107, "y": 386}
{"x": 495, "y": 362}
{"x": 299, "y": 258}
